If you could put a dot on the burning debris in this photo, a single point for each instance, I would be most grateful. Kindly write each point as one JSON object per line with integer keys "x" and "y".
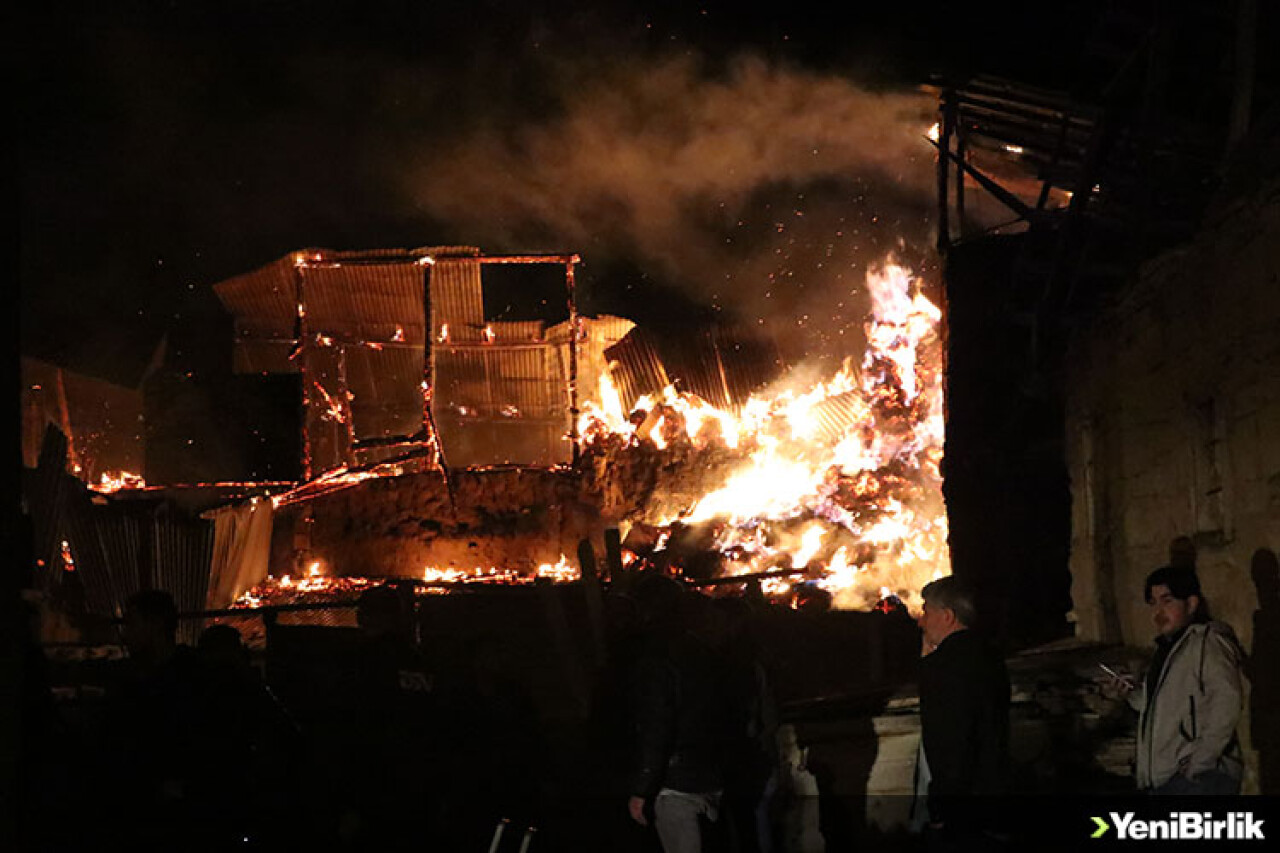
{"x": 840, "y": 479}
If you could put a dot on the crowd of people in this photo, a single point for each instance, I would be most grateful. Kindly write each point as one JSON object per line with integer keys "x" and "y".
{"x": 193, "y": 750}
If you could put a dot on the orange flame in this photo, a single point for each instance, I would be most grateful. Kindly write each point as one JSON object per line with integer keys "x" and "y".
{"x": 843, "y": 473}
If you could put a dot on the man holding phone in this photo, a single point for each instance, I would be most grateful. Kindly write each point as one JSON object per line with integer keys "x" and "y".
{"x": 1189, "y": 702}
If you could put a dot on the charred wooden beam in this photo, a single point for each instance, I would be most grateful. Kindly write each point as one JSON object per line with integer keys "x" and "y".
{"x": 1007, "y": 198}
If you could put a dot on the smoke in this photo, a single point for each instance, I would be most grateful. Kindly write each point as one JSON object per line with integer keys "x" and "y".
{"x": 759, "y": 190}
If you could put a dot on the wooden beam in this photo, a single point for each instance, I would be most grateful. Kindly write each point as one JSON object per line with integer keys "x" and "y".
{"x": 1005, "y": 197}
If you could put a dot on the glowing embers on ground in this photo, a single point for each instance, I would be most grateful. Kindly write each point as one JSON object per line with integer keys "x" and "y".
{"x": 316, "y": 587}
{"x": 839, "y": 477}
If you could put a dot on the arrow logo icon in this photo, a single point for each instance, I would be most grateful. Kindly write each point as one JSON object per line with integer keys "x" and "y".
{"x": 1102, "y": 828}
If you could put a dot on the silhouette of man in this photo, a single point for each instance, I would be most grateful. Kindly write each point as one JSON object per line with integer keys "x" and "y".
{"x": 964, "y": 715}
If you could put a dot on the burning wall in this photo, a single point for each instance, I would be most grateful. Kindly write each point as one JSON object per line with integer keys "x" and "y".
{"x": 102, "y": 421}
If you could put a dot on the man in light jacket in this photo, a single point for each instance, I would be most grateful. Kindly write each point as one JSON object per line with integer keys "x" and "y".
{"x": 1189, "y": 701}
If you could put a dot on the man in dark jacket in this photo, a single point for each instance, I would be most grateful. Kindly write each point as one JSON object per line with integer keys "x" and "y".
{"x": 682, "y": 713}
{"x": 964, "y": 713}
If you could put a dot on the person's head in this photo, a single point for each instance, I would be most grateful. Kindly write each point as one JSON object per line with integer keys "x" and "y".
{"x": 381, "y": 612}
{"x": 150, "y": 624}
{"x": 1174, "y": 596}
{"x": 221, "y": 646}
{"x": 948, "y": 607}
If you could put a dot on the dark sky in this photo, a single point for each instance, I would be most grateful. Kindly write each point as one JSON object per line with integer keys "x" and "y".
{"x": 696, "y": 155}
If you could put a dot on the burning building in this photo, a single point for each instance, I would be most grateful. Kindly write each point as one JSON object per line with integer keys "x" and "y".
{"x": 441, "y": 444}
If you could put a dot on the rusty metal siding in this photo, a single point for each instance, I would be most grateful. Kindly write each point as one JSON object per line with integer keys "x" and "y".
{"x": 517, "y": 330}
{"x": 365, "y": 302}
{"x": 456, "y": 299}
{"x": 386, "y": 388}
{"x": 500, "y": 404}
{"x": 637, "y": 367}
{"x": 264, "y": 300}
{"x": 183, "y": 553}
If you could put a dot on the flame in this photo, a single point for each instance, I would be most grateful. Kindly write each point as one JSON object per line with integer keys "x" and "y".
{"x": 935, "y": 132}
{"x": 843, "y": 473}
{"x": 114, "y": 481}
{"x": 559, "y": 571}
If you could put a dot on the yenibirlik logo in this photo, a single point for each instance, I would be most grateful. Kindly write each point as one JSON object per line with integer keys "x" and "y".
{"x": 1182, "y": 826}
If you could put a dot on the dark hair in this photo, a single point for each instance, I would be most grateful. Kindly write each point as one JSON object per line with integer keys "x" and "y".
{"x": 156, "y": 605}
{"x": 1182, "y": 582}
{"x": 955, "y": 595}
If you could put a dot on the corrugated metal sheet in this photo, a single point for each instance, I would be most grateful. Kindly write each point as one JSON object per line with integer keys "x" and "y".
{"x": 183, "y": 550}
{"x": 723, "y": 367}
{"x": 499, "y": 404}
{"x": 117, "y": 547}
{"x": 456, "y": 299}
{"x": 637, "y": 367}
{"x": 489, "y": 379}
{"x": 265, "y": 299}
{"x": 517, "y": 330}
{"x": 365, "y": 301}
{"x": 386, "y": 388}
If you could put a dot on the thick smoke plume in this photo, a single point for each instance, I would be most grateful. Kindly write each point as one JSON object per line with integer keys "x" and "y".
{"x": 760, "y": 190}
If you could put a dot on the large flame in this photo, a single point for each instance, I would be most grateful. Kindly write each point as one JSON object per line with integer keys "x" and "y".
{"x": 840, "y": 478}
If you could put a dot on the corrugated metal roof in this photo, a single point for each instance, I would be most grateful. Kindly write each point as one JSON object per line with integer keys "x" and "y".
{"x": 264, "y": 302}
{"x": 265, "y": 299}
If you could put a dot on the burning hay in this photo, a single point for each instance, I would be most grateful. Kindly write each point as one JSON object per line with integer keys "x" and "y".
{"x": 840, "y": 479}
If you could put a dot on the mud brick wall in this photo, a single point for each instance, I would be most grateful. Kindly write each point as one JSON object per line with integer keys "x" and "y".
{"x": 505, "y": 518}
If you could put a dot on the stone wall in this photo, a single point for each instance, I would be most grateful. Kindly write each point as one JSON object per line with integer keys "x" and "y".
{"x": 1173, "y": 424}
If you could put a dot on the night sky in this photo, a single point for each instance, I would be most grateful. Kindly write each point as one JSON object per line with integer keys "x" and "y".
{"x": 699, "y": 156}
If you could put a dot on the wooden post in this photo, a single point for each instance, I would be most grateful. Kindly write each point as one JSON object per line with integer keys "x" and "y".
{"x": 944, "y": 144}
{"x": 595, "y": 603}
{"x": 575, "y": 328}
{"x": 613, "y": 555}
